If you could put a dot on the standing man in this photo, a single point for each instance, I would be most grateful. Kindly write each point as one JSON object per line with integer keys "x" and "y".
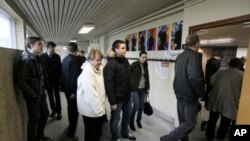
{"x": 53, "y": 65}
{"x": 188, "y": 87}
{"x": 117, "y": 86}
{"x": 71, "y": 69}
{"x": 31, "y": 78}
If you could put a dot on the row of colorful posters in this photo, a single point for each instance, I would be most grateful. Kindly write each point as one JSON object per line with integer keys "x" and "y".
{"x": 151, "y": 40}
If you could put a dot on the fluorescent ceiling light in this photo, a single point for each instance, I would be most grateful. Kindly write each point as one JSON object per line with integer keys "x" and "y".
{"x": 64, "y": 48}
{"x": 73, "y": 41}
{"x": 86, "y": 28}
{"x": 246, "y": 23}
{"x": 217, "y": 41}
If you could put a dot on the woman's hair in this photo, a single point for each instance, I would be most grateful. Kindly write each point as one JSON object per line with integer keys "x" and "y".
{"x": 31, "y": 41}
{"x": 93, "y": 52}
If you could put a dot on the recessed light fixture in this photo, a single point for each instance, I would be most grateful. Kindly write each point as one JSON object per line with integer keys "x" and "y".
{"x": 73, "y": 41}
{"x": 86, "y": 28}
{"x": 64, "y": 48}
{"x": 217, "y": 41}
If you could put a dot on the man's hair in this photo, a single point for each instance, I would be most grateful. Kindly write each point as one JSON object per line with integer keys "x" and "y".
{"x": 116, "y": 44}
{"x": 235, "y": 63}
{"x": 31, "y": 41}
{"x": 192, "y": 40}
{"x": 51, "y": 44}
{"x": 82, "y": 51}
{"x": 93, "y": 53}
{"x": 142, "y": 52}
{"x": 72, "y": 47}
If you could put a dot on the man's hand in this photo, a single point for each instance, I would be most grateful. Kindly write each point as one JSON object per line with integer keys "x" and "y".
{"x": 72, "y": 96}
{"x": 114, "y": 107}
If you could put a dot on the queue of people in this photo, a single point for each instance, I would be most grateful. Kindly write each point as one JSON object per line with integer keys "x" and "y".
{"x": 86, "y": 84}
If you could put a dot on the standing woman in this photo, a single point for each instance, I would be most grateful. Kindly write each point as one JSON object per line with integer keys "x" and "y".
{"x": 140, "y": 87}
{"x": 91, "y": 96}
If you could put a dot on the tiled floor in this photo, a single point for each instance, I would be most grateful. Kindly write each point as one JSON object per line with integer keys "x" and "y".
{"x": 153, "y": 128}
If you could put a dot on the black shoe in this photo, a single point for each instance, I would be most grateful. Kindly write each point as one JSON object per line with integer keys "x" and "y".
{"x": 59, "y": 116}
{"x": 44, "y": 138}
{"x": 129, "y": 137}
{"x": 75, "y": 138}
{"x": 53, "y": 114}
{"x": 132, "y": 126}
{"x": 139, "y": 124}
{"x": 203, "y": 125}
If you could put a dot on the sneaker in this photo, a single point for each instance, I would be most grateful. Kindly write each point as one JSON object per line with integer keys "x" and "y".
{"x": 129, "y": 137}
{"x": 53, "y": 114}
{"x": 132, "y": 126}
{"x": 59, "y": 116}
{"x": 139, "y": 124}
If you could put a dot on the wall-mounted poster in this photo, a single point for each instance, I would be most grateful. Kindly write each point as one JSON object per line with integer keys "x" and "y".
{"x": 127, "y": 38}
{"x": 163, "y": 37}
{"x": 176, "y": 34}
{"x": 142, "y": 41}
{"x": 151, "y": 39}
{"x": 133, "y": 39}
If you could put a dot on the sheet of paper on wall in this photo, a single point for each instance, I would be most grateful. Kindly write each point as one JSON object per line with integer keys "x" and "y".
{"x": 162, "y": 68}
{"x": 172, "y": 54}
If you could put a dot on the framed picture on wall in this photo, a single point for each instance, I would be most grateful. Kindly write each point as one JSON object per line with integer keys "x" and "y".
{"x": 163, "y": 37}
{"x": 127, "y": 41}
{"x": 176, "y": 33}
{"x": 151, "y": 39}
{"x": 133, "y": 40}
{"x": 142, "y": 42}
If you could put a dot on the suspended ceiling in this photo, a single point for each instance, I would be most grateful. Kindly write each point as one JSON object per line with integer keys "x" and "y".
{"x": 60, "y": 20}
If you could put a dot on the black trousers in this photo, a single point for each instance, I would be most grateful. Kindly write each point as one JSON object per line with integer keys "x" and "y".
{"x": 93, "y": 128}
{"x": 72, "y": 115}
{"x": 223, "y": 128}
{"x": 38, "y": 114}
{"x": 54, "y": 96}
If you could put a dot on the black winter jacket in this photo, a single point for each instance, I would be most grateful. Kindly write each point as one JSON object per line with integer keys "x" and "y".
{"x": 136, "y": 72}
{"x": 71, "y": 69}
{"x": 30, "y": 74}
{"x": 117, "y": 80}
{"x": 189, "y": 79}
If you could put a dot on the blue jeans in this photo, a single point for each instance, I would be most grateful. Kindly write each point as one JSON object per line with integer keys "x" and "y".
{"x": 187, "y": 112}
{"x": 125, "y": 107}
{"x": 138, "y": 104}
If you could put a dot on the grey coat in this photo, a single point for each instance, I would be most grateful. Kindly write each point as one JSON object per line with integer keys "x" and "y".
{"x": 225, "y": 94}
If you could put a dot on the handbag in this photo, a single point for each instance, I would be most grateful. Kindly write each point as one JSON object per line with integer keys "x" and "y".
{"x": 148, "y": 110}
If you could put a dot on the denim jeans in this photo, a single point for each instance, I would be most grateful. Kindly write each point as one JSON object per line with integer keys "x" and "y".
{"x": 187, "y": 112}
{"x": 138, "y": 97}
{"x": 125, "y": 107}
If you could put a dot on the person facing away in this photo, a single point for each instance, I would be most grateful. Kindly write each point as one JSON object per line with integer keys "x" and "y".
{"x": 224, "y": 99}
{"x": 71, "y": 69}
{"x": 91, "y": 98}
{"x": 188, "y": 88}
{"x": 32, "y": 80}
{"x": 140, "y": 87}
{"x": 212, "y": 66}
{"x": 53, "y": 65}
{"x": 81, "y": 54}
{"x": 117, "y": 80}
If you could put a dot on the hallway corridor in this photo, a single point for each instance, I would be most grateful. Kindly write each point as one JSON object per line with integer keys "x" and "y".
{"x": 153, "y": 128}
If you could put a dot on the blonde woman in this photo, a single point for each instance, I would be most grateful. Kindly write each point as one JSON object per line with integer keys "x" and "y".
{"x": 91, "y": 96}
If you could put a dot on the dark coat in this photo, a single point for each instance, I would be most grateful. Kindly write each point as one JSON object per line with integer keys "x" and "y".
{"x": 117, "y": 80}
{"x": 189, "y": 78}
{"x": 53, "y": 66}
{"x": 212, "y": 66}
{"x": 71, "y": 69}
{"x": 136, "y": 73}
{"x": 30, "y": 75}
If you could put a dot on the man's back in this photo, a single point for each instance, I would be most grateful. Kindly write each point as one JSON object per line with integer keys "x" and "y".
{"x": 189, "y": 80}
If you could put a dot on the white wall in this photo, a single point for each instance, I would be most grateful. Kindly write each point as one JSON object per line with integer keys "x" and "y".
{"x": 213, "y": 10}
{"x": 241, "y": 52}
{"x": 194, "y": 12}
